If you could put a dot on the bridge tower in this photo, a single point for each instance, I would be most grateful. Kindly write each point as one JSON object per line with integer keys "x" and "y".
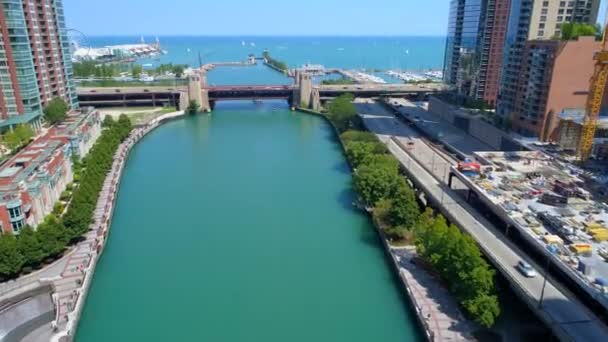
{"x": 303, "y": 90}
{"x": 197, "y": 91}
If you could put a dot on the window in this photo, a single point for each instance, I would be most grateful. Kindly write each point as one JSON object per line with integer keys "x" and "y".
{"x": 543, "y": 18}
{"x": 544, "y": 11}
{"x": 560, "y": 18}
{"x": 17, "y": 226}
{"x": 545, "y": 3}
{"x": 541, "y": 25}
{"x": 14, "y": 212}
{"x": 541, "y": 33}
{"x": 562, "y": 4}
{"x": 560, "y": 11}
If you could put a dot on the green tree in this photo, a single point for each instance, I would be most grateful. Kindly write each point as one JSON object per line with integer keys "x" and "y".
{"x": 29, "y": 246}
{"x": 11, "y": 140}
{"x": 136, "y": 70}
{"x": 52, "y": 235}
{"x": 178, "y": 70}
{"x": 374, "y": 183}
{"x": 108, "y": 121}
{"x": 404, "y": 210}
{"x": 571, "y": 31}
{"x": 357, "y": 151}
{"x": 11, "y": 260}
{"x": 24, "y": 133}
{"x": 342, "y": 112}
{"x": 55, "y": 110}
{"x": 193, "y": 107}
{"x": 352, "y": 135}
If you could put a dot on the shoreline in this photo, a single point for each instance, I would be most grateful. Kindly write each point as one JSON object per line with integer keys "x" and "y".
{"x": 428, "y": 334}
{"x": 402, "y": 274}
{"x": 101, "y": 226}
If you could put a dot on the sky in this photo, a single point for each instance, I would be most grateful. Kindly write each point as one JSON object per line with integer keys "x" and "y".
{"x": 258, "y": 17}
{"x": 261, "y": 17}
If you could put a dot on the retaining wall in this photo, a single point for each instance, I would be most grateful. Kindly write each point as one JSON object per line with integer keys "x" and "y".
{"x": 67, "y": 334}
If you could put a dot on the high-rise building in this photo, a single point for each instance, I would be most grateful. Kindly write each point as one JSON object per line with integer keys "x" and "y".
{"x": 532, "y": 20}
{"x": 491, "y": 51}
{"x": 554, "y": 76}
{"x": 35, "y": 60}
{"x": 465, "y": 28}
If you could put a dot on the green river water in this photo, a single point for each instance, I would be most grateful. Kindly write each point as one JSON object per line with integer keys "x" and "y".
{"x": 238, "y": 226}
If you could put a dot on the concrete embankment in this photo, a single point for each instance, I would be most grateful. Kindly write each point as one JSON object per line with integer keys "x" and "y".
{"x": 25, "y": 310}
{"x": 67, "y": 324}
{"x": 428, "y": 333}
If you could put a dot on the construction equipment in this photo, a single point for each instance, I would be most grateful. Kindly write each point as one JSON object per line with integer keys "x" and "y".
{"x": 594, "y": 100}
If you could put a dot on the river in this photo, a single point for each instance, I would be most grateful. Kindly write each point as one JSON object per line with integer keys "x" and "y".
{"x": 238, "y": 226}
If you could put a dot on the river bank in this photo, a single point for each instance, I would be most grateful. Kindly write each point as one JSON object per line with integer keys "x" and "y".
{"x": 93, "y": 245}
{"x": 437, "y": 313}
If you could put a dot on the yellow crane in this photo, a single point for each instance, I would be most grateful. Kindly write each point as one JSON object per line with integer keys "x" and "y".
{"x": 594, "y": 100}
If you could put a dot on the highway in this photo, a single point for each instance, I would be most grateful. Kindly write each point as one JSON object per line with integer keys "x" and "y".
{"x": 567, "y": 318}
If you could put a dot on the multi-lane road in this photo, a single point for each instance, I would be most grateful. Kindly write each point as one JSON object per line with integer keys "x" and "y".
{"x": 563, "y": 313}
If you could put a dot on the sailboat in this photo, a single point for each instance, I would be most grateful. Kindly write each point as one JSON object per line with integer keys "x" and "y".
{"x": 243, "y": 43}
{"x": 252, "y": 44}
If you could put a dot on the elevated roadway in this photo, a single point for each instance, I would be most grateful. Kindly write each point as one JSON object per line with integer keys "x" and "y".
{"x": 569, "y": 319}
{"x": 157, "y": 96}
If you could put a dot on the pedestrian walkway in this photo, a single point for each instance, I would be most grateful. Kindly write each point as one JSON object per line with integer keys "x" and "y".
{"x": 439, "y": 311}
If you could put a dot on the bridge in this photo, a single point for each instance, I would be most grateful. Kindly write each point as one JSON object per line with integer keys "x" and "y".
{"x": 303, "y": 93}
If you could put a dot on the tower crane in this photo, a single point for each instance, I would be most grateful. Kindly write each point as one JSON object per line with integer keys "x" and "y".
{"x": 594, "y": 100}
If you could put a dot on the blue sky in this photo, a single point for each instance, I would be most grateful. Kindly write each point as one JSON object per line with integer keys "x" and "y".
{"x": 257, "y": 17}
{"x": 260, "y": 17}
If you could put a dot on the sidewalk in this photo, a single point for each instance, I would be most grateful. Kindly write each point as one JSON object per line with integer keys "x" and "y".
{"x": 433, "y": 303}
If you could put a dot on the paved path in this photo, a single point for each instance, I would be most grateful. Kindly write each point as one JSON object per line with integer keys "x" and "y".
{"x": 561, "y": 311}
{"x": 438, "y": 309}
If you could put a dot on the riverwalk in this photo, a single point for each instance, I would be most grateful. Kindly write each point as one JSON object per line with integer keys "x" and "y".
{"x": 76, "y": 278}
{"x": 71, "y": 275}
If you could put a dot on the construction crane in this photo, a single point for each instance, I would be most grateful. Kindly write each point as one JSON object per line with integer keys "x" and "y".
{"x": 594, "y": 100}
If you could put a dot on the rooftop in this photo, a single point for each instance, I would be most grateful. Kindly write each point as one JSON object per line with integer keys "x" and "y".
{"x": 546, "y": 199}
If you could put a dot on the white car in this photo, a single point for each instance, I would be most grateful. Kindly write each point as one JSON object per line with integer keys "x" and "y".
{"x": 526, "y": 269}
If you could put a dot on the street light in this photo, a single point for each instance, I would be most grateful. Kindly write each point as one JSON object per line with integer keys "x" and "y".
{"x": 542, "y": 292}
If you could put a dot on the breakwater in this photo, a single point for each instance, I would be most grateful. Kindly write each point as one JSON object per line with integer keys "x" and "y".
{"x": 65, "y": 324}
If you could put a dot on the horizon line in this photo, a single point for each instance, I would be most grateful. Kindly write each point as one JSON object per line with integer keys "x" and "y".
{"x": 266, "y": 35}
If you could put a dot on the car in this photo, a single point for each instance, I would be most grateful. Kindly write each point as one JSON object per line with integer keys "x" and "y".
{"x": 526, "y": 269}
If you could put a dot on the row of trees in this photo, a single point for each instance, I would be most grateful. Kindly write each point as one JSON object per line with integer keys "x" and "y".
{"x": 93, "y": 69}
{"x": 92, "y": 172}
{"x": 49, "y": 240}
{"x": 380, "y": 185}
{"x": 276, "y": 63}
{"x": 338, "y": 81}
{"x": 571, "y": 31}
{"x": 458, "y": 260}
{"x": 18, "y": 137}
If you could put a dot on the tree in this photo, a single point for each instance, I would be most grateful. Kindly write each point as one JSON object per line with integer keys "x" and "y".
{"x": 24, "y": 133}
{"x": 193, "y": 107}
{"x": 374, "y": 183}
{"x": 108, "y": 121}
{"x": 178, "y": 70}
{"x": 136, "y": 70}
{"x": 29, "y": 246}
{"x": 357, "y": 151}
{"x": 11, "y": 140}
{"x": 55, "y": 110}
{"x": 11, "y": 260}
{"x": 342, "y": 112}
{"x": 571, "y": 31}
{"x": 52, "y": 235}
{"x": 404, "y": 210}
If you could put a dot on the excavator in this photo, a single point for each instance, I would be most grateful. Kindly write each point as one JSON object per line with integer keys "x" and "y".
{"x": 594, "y": 100}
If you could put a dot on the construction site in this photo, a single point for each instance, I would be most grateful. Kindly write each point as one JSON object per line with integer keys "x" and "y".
{"x": 545, "y": 201}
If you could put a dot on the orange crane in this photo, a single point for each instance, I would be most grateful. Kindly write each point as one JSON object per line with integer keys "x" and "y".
{"x": 594, "y": 100}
